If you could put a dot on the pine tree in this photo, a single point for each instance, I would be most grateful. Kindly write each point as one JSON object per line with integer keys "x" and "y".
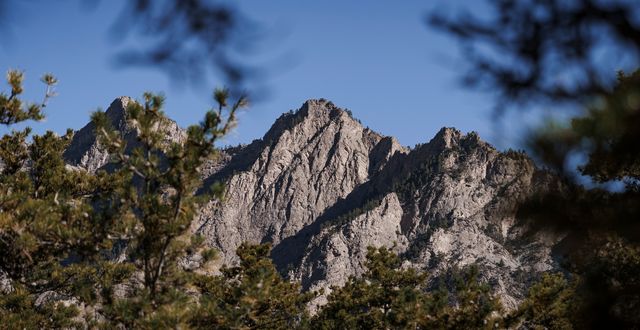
{"x": 58, "y": 225}
{"x": 603, "y": 233}
{"x": 159, "y": 205}
{"x": 389, "y": 297}
{"x": 45, "y": 216}
{"x": 251, "y": 295}
{"x": 550, "y": 304}
{"x": 384, "y": 297}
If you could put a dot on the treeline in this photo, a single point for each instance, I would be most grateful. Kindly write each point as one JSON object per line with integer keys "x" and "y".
{"x": 253, "y": 295}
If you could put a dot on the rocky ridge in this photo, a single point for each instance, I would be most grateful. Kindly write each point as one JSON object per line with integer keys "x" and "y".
{"x": 320, "y": 188}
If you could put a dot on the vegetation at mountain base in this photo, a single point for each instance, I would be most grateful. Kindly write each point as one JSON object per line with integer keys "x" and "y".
{"x": 387, "y": 296}
{"x": 250, "y": 295}
{"x": 550, "y": 304}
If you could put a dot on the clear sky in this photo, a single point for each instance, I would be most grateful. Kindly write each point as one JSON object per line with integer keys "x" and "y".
{"x": 377, "y": 58}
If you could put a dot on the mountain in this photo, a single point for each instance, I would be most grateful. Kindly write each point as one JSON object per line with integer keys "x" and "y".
{"x": 85, "y": 151}
{"x": 320, "y": 188}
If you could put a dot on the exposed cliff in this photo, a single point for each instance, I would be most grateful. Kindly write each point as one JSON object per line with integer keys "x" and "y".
{"x": 282, "y": 183}
{"x": 321, "y": 188}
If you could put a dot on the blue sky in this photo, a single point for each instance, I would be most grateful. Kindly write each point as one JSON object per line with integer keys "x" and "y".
{"x": 377, "y": 58}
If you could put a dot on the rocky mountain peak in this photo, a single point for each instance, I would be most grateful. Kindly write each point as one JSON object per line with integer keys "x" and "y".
{"x": 315, "y": 115}
{"x": 449, "y": 137}
{"x": 320, "y": 108}
{"x": 85, "y": 151}
{"x": 446, "y": 137}
{"x": 117, "y": 111}
{"x": 308, "y": 160}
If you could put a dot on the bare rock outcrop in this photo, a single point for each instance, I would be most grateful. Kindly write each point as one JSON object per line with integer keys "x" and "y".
{"x": 321, "y": 188}
{"x": 303, "y": 165}
{"x": 449, "y": 203}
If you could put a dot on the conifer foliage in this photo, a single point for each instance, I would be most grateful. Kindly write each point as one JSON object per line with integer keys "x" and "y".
{"x": 60, "y": 227}
{"x": 157, "y": 204}
{"x": 251, "y": 295}
{"x": 390, "y": 297}
{"x": 45, "y": 217}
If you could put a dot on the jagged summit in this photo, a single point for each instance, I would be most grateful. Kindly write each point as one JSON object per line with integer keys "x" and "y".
{"x": 316, "y": 112}
{"x": 85, "y": 152}
{"x": 117, "y": 109}
{"x": 307, "y": 161}
{"x": 313, "y": 118}
{"x": 320, "y": 106}
{"x": 320, "y": 188}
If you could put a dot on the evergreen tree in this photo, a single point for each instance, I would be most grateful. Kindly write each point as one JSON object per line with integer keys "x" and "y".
{"x": 384, "y": 297}
{"x": 45, "y": 219}
{"x": 550, "y": 304}
{"x": 251, "y": 295}
{"x": 389, "y": 297}
{"x": 58, "y": 225}
{"x": 158, "y": 204}
{"x": 603, "y": 233}
{"x": 471, "y": 304}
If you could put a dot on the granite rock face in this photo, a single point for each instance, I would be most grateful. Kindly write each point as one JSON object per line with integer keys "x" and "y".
{"x": 448, "y": 203}
{"x": 281, "y": 184}
{"x": 321, "y": 188}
